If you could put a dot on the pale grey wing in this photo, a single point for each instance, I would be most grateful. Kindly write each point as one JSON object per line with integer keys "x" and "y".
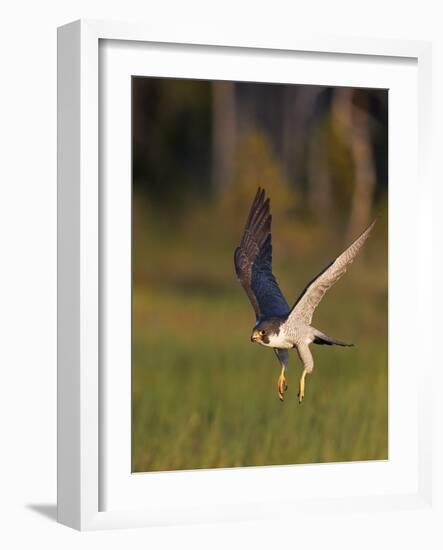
{"x": 311, "y": 296}
{"x": 253, "y": 262}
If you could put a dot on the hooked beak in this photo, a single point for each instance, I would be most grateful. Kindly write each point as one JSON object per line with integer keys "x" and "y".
{"x": 255, "y": 336}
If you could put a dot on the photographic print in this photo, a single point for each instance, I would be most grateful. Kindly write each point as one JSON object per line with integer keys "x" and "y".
{"x": 259, "y": 274}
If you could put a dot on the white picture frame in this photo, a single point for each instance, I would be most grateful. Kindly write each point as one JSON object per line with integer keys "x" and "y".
{"x": 83, "y": 444}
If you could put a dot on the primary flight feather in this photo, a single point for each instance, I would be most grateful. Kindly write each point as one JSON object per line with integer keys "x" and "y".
{"x": 278, "y": 325}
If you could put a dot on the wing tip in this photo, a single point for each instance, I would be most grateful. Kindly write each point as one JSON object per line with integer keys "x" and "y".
{"x": 365, "y": 234}
{"x": 260, "y": 212}
{"x": 369, "y": 229}
{"x": 260, "y": 194}
{"x": 372, "y": 224}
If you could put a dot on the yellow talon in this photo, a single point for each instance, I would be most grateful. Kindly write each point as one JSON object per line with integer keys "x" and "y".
{"x": 282, "y": 386}
{"x": 301, "y": 391}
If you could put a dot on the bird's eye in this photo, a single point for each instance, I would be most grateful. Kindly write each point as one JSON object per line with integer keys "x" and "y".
{"x": 262, "y": 332}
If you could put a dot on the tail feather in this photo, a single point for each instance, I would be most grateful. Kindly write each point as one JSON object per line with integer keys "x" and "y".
{"x": 324, "y": 340}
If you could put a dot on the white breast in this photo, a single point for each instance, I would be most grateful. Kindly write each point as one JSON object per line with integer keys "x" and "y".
{"x": 279, "y": 340}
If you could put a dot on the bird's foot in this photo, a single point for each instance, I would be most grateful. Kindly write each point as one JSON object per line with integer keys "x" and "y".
{"x": 301, "y": 390}
{"x": 282, "y": 386}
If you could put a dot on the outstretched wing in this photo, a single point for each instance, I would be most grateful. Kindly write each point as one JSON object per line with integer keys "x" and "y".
{"x": 311, "y": 296}
{"x": 253, "y": 262}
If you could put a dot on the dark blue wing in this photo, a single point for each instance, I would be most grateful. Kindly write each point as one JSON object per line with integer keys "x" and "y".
{"x": 253, "y": 262}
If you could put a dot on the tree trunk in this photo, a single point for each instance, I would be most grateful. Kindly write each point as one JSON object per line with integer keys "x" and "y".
{"x": 224, "y": 133}
{"x": 298, "y": 117}
{"x": 353, "y": 122}
{"x": 365, "y": 177}
{"x": 319, "y": 178}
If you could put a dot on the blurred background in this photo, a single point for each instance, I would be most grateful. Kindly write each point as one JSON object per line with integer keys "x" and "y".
{"x": 203, "y": 395}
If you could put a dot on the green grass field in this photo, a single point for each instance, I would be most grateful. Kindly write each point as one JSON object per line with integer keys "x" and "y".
{"x": 204, "y": 396}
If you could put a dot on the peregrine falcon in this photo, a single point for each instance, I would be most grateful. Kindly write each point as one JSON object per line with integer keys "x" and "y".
{"x": 278, "y": 325}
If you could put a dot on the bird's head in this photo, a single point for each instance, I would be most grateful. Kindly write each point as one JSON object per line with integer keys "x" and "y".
{"x": 266, "y": 332}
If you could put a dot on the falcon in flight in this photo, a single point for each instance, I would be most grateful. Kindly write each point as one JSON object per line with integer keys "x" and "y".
{"x": 279, "y": 326}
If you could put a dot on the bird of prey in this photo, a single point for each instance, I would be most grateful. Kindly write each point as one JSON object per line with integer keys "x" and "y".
{"x": 278, "y": 325}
